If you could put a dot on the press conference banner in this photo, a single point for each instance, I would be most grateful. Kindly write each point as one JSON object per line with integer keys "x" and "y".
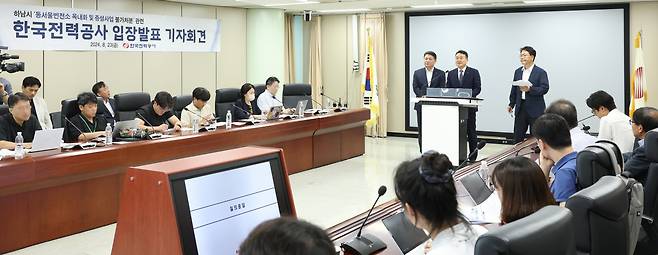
{"x": 25, "y": 27}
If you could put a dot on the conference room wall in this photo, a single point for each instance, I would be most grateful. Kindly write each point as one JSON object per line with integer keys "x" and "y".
{"x": 643, "y": 17}
{"x": 265, "y": 46}
{"x": 338, "y": 79}
{"x": 64, "y": 74}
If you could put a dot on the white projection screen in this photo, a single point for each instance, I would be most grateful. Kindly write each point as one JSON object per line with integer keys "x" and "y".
{"x": 583, "y": 49}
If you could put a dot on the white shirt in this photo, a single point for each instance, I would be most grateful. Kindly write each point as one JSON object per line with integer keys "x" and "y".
{"x": 580, "y": 140}
{"x": 42, "y": 112}
{"x": 616, "y": 127}
{"x": 429, "y": 73}
{"x": 188, "y": 117}
{"x": 526, "y": 76}
{"x": 458, "y": 240}
{"x": 108, "y": 106}
{"x": 266, "y": 101}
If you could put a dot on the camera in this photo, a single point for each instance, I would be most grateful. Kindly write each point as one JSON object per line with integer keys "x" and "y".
{"x": 10, "y": 67}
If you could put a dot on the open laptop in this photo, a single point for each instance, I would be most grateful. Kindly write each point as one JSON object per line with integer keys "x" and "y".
{"x": 123, "y": 125}
{"x": 49, "y": 139}
{"x": 274, "y": 113}
{"x": 407, "y": 236}
{"x": 449, "y": 92}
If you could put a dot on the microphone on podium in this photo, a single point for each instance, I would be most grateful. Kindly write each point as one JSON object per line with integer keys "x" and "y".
{"x": 365, "y": 244}
{"x": 481, "y": 145}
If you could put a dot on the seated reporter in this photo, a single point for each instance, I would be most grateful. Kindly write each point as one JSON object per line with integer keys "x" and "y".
{"x": 86, "y": 121}
{"x": 287, "y": 236}
{"x": 19, "y": 119}
{"x": 198, "y": 107}
{"x": 426, "y": 189}
{"x": 644, "y": 120}
{"x": 157, "y": 116}
{"x": 557, "y": 158}
{"x": 267, "y": 99}
{"x": 521, "y": 187}
{"x": 246, "y": 104}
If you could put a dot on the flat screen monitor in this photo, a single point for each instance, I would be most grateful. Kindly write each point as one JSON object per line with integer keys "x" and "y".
{"x": 217, "y": 207}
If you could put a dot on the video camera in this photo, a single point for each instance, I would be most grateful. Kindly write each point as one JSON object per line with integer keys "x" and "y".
{"x": 10, "y": 67}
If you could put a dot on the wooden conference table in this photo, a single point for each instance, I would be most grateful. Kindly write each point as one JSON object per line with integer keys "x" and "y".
{"x": 347, "y": 230}
{"x": 52, "y": 194}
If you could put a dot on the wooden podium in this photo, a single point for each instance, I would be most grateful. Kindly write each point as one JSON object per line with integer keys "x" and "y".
{"x": 149, "y": 221}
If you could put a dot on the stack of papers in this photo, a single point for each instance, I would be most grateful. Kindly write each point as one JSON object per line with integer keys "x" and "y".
{"x": 488, "y": 212}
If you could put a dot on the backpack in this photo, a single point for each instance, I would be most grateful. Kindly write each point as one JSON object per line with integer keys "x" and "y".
{"x": 635, "y": 192}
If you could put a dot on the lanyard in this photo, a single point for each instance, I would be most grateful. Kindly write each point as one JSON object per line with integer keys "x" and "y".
{"x": 85, "y": 122}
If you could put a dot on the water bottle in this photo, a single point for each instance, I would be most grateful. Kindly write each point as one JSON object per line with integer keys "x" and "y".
{"x": 108, "y": 134}
{"x": 18, "y": 151}
{"x": 484, "y": 171}
{"x": 229, "y": 119}
{"x": 195, "y": 126}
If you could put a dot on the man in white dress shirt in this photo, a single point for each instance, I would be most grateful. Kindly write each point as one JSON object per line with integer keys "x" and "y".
{"x": 615, "y": 126}
{"x": 267, "y": 99}
{"x": 31, "y": 86}
{"x": 566, "y": 109}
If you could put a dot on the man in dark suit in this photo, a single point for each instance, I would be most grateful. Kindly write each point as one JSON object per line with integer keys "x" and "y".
{"x": 107, "y": 107}
{"x": 469, "y": 78}
{"x": 427, "y": 77}
{"x": 644, "y": 120}
{"x": 527, "y": 101}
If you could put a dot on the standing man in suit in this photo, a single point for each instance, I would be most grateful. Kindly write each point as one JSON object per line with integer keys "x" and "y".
{"x": 108, "y": 106}
{"x": 469, "y": 78}
{"x": 527, "y": 101}
{"x": 427, "y": 77}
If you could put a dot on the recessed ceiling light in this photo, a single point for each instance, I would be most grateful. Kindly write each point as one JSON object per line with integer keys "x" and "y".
{"x": 344, "y": 10}
{"x": 440, "y": 6}
{"x": 552, "y": 1}
{"x": 293, "y": 3}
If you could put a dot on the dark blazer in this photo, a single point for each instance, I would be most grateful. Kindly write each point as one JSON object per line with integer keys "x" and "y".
{"x": 534, "y": 99}
{"x": 238, "y": 115}
{"x": 470, "y": 80}
{"x": 103, "y": 112}
{"x": 420, "y": 85}
{"x": 638, "y": 164}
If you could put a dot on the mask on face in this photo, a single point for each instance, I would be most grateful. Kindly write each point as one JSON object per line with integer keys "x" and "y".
{"x": 251, "y": 97}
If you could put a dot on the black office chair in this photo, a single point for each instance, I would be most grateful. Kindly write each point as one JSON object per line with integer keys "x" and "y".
{"x": 128, "y": 103}
{"x": 4, "y": 109}
{"x": 600, "y": 215}
{"x": 648, "y": 241}
{"x": 181, "y": 102}
{"x": 224, "y": 100}
{"x": 596, "y": 161}
{"x": 293, "y": 93}
{"x": 69, "y": 109}
{"x": 548, "y": 231}
{"x": 56, "y": 118}
{"x": 259, "y": 88}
